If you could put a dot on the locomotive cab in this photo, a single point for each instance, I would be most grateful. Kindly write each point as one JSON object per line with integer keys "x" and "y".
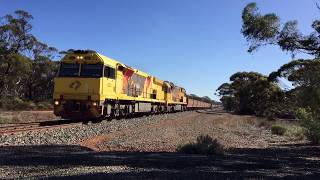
{"x": 82, "y": 83}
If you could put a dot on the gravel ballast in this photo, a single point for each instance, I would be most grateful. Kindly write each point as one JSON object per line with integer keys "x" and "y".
{"x": 144, "y": 148}
{"x": 72, "y": 135}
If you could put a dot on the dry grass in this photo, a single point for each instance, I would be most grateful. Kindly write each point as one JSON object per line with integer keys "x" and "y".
{"x": 293, "y": 130}
{"x": 25, "y": 116}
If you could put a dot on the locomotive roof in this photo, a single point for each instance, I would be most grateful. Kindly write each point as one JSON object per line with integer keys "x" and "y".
{"x": 92, "y": 57}
{"x": 108, "y": 60}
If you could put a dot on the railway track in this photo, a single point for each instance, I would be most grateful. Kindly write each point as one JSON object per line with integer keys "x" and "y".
{"x": 15, "y": 128}
{"x": 36, "y": 126}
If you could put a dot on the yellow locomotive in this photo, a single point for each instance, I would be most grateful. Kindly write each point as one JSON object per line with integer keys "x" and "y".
{"x": 90, "y": 85}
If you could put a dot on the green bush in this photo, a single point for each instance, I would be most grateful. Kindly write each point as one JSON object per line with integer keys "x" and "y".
{"x": 203, "y": 145}
{"x": 269, "y": 114}
{"x": 25, "y": 105}
{"x": 278, "y": 129}
{"x": 19, "y": 104}
{"x": 296, "y": 133}
{"x": 44, "y": 105}
{"x": 8, "y": 103}
{"x": 311, "y": 122}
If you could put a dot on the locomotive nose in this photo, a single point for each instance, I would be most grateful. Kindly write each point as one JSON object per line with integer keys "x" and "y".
{"x": 77, "y": 88}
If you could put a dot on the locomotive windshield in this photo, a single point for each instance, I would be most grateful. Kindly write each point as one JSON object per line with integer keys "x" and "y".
{"x": 87, "y": 70}
{"x": 69, "y": 70}
{"x": 91, "y": 70}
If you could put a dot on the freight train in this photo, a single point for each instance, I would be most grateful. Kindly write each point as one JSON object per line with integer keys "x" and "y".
{"x": 90, "y": 85}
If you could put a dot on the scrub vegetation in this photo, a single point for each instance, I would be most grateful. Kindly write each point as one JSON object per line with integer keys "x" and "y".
{"x": 263, "y": 95}
{"x": 26, "y": 66}
{"x": 204, "y": 145}
{"x": 278, "y": 129}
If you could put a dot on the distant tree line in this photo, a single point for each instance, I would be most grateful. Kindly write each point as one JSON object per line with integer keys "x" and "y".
{"x": 254, "y": 93}
{"x": 26, "y": 66}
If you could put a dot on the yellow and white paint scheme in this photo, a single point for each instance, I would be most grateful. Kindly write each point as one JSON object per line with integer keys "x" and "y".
{"x": 79, "y": 97}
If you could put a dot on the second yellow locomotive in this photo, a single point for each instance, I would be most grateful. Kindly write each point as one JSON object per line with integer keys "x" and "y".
{"x": 90, "y": 85}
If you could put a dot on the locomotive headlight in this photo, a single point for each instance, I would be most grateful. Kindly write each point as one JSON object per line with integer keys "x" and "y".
{"x": 79, "y": 57}
{"x": 94, "y": 104}
{"x": 56, "y": 103}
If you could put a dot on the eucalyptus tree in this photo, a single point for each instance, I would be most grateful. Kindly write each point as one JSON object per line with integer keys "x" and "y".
{"x": 249, "y": 93}
{"x": 265, "y": 29}
{"x": 19, "y": 51}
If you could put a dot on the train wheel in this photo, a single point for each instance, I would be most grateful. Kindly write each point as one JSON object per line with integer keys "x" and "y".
{"x": 123, "y": 113}
{"x": 116, "y": 111}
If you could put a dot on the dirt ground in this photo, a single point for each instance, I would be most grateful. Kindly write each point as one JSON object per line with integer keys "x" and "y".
{"x": 76, "y": 162}
{"x": 232, "y": 131}
{"x": 148, "y": 151}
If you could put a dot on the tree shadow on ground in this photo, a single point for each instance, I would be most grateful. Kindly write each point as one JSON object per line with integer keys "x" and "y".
{"x": 295, "y": 161}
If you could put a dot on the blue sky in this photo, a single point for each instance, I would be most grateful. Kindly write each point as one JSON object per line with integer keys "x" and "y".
{"x": 196, "y": 44}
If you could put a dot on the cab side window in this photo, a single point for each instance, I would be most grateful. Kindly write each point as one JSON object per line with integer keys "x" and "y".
{"x": 109, "y": 72}
{"x": 112, "y": 73}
